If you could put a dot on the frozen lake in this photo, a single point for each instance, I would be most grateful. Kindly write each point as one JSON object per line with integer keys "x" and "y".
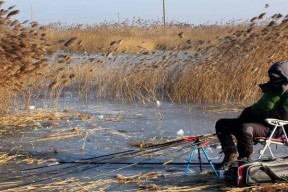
{"x": 112, "y": 127}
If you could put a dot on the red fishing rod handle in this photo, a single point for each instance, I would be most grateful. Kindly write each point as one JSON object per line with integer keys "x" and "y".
{"x": 188, "y": 139}
{"x": 203, "y": 144}
{"x": 197, "y": 137}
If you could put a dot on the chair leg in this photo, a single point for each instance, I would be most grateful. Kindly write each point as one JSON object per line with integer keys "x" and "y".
{"x": 272, "y": 155}
{"x": 262, "y": 151}
{"x": 278, "y": 124}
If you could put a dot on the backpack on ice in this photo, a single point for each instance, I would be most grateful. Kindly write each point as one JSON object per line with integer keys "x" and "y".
{"x": 260, "y": 171}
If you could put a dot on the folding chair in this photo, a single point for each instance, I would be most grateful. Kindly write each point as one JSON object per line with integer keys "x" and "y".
{"x": 266, "y": 141}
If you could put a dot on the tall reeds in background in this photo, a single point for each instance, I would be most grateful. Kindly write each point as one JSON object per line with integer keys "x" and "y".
{"x": 238, "y": 62}
{"x": 138, "y": 36}
{"x": 225, "y": 62}
{"x": 227, "y": 70}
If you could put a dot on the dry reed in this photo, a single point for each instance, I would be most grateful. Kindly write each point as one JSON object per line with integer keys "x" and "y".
{"x": 4, "y": 158}
{"x": 70, "y": 184}
{"x": 227, "y": 62}
{"x": 136, "y": 37}
{"x": 223, "y": 69}
{"x": 230, "y": 70}
{"x": 24, "y": 119}
{"x": 21, "y": 50}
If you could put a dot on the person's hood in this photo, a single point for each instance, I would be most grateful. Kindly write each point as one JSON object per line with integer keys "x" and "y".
{"x": 278, "y": 74}
{"x": 279, "y": 68}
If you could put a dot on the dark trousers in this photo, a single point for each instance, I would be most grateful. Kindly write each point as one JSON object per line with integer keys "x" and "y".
{"x": 243, "y": 132}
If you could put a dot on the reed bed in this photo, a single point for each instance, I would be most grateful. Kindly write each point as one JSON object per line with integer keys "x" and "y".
{"x": 23, "y": 50}
{"x": 136, "y": 36}
{"x": 230, "y": 70}
{"x": 223, "y": 70}
{"x": 226, "y": 62}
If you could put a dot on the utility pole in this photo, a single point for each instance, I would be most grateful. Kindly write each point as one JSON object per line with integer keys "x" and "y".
{"x": 118, "y": 14}
{"x": 164, "y": 13}
{"x": 32, "y": 14}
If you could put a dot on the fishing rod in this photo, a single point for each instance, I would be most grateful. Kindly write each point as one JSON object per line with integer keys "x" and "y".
{"x": 93, "y": 162}
{"x": 120, "y": 154}
{"x": 115, "y": 162}
{"x": 34, "y": 182}
{"x": 197, "y": 142}
{"x": 79, "y": 162}
{"x": 160, "y": 146}
{"x": 185, "y": 139}
{"x": 164, "y": 144}
{"x": 143, "y": 152}
{"x": 90, "y": 166}
{"x": 149, "y": 163}
{"x": 84, "y": 169}
{"x": 106, "y": 173}
{"x": 59, "y": 163}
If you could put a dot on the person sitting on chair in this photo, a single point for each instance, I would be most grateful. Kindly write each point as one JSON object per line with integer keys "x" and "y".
{"x": 251, "y": 122}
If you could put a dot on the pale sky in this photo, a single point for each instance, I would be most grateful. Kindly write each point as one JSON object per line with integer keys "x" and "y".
{"x": 189, "y": 11}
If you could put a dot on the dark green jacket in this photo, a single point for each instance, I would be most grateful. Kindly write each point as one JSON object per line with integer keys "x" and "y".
{"x": 272, "y": 104}
{"x": 268, "y": 100}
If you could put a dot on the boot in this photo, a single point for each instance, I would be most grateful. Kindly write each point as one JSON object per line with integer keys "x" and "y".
{"x": 248, "y": 158}
{"x": 228, "y": 159}
{"x": 227, "y": 144}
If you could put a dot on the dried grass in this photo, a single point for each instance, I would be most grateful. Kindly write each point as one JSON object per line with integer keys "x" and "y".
{"x": 228, "y": 71}
{"x": 61, "y": 135}
{"x": 22, "y": 50}
{"x": 24, "y": 119}
{"x": 228, "y": 63}
{"x": 147, "y": 181}
{"x": 5, "y": 158}
{"x": 151, "y": 181}
{"x": 71, "y": 184}
{"x": 136, "y": 36}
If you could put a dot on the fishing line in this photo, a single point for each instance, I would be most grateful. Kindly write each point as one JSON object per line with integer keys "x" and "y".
{"x": 154, "y": 148}
{"x": 129, "y": 152}
{"x": 115, "y": 157}
{"x": 107, "y": 155}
